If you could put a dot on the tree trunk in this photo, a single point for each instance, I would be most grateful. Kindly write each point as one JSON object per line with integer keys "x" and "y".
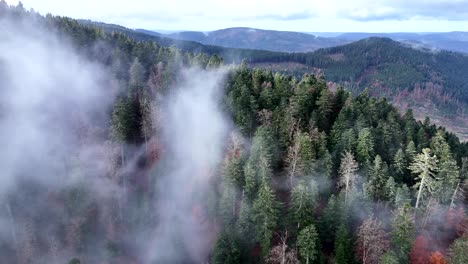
{"x": 454, "y": 195}
{"x": 346, "y": 190}
{"x": 420, "y": 189}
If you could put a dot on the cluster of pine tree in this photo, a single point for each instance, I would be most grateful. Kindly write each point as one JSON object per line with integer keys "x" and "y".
{"x": 329, "y": 178}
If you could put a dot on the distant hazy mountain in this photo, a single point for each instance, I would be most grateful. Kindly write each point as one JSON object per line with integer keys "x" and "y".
{"x": 250, "y": 38}
{"x": 287, "y": 41}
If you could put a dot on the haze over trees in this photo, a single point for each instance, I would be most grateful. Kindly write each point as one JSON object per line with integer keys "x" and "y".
{"x": 137, "y": 152}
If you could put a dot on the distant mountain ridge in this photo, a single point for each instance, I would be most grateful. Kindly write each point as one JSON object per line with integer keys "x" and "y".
{"x": 290, "y": 41}
{"x": 252, "y": 38}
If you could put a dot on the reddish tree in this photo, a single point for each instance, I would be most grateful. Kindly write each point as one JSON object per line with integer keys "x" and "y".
{"x": 420, "y": 252}
{"x": 437, "y": 258}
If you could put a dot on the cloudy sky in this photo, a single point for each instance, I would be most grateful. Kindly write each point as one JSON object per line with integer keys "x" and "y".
{"x": 293, "y": 15}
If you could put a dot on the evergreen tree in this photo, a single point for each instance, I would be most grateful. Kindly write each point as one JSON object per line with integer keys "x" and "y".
{"x": 448, "y": 170}
{"x": 410, "y": 152}
{"x": 402, "y": 196}
{"x": 300, "y": 157}
{"x": 227, "y": 203}
{"x": 330, "y": 220}
{"x": 343, "y": 251}
{"x": 375, "y": 185}
{"x": 325, "y": 106}
{"x": 137, "y": 74}
{"x": 265, "y": 216}
{"x": 226, "y": 249}
{"x": 399, "y": 163}
{"x": 390, "y": 190}
{"x": 403, "y": 233}
{"x": 389, "y": 258}
{"x": 458, "y": 251}
{"x": 245, "y": 224}
{"x": 365, "y": 146}
{"x": 304, "y": 198}
{"x": 308, "y": 244}
{"x": 424, "y": 165}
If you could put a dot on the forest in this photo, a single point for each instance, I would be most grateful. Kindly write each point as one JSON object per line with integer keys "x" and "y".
{"x": 127, "y": 151}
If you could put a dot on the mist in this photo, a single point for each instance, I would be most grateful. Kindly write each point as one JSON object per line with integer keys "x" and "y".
{"x": 194, "y": 135}
{"x": 58, "y": 154}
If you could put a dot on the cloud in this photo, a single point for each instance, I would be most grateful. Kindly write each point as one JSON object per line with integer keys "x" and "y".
{"x": 295, "y": 15}
{"x": 404, "y": 10}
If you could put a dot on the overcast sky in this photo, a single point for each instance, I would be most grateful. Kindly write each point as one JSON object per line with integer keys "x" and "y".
{"x": 293, "y": 15}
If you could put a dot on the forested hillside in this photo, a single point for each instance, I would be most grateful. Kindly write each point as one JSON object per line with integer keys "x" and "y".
{"x": 120, "y": 151}
{"x": 433, "y": 83}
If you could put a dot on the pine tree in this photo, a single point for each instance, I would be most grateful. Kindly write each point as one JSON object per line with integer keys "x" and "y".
{"x": 304, "y": 198}
{"x": 227, "y": 203}
{"x": 402, "y": 196}
{"x": 226, "y": 249}
{"x": 365, "y": 146}
{"x": 390, "y": 190}
{"x": 424, "y": 165}
{"x": 399, "y": 163}
{"x": 300, "y": 157}
{"x": 458, "y": 251}
{"x": 410, "y": 152}
{"x": 308, "y": 244}
{"x": 245, "y": 224}
{"x": 375, "y": 186}
{"x": 329, "y": 221}
{"x": 403, "y": 233}
{"x": 343, "y": 247}
{"x": 137, "y": 74}
{"x": 448, "y": 170}
{"x": 389, "y": 258}
{"x": 265, "y": 216}
{"x": 325, "y": 106}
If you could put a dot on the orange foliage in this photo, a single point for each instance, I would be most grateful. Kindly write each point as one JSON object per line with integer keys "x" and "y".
{"x": 420, "y": 252}
{"x": 437, "y": 258}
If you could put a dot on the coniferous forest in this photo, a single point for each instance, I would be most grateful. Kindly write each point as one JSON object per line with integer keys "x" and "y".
{"x": 116, "y": 150}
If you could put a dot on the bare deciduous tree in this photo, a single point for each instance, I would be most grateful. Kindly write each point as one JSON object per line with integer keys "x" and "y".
{"x": 281, "y": 253}
{"x": 372, "y": 241}
{"x": 348, "y": 168}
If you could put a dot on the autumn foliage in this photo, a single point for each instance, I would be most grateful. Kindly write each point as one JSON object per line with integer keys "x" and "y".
{"x": 420, "y": 252}
{"x": 437, "y": 258}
